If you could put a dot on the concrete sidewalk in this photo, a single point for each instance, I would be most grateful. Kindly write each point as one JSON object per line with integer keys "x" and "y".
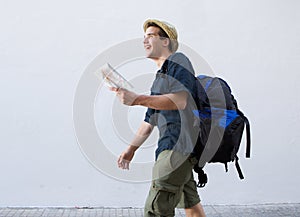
{"x": 261, "y": 210}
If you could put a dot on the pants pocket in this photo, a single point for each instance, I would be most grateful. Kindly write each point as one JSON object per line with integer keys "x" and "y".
{"x": 161, "y": 200}
{"x": 164, "y": 203}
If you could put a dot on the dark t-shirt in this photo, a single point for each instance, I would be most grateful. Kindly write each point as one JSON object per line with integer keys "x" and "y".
{"x": 176, "y": 131}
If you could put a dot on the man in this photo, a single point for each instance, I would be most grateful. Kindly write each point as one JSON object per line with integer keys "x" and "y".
{"x": 170, "y": 109}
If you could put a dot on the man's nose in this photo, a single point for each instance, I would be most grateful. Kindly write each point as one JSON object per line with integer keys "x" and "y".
{"x": 145, "y": 40}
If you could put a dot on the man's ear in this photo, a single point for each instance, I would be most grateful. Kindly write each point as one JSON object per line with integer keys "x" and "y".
{"x": 166, "y": 42}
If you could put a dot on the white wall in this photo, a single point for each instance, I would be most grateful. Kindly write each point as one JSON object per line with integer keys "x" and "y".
{"x": 45, "y": 46}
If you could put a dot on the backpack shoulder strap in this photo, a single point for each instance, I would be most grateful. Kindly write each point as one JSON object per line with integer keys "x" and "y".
{"x": 238, "y": 168}
{"x": 247, "y": 123}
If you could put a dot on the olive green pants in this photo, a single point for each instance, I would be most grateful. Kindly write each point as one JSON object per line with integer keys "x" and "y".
{"x": 172, "y": 185}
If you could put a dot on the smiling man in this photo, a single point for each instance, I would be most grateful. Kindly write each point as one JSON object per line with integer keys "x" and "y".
{"x": 170, "y": 108}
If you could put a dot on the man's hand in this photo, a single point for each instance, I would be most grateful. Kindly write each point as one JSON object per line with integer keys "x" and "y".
{"x": 125, "y": 96}
{"x": 125, "y": 158}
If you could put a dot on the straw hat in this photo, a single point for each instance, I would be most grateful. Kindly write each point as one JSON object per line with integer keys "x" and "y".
{"x": 167, "y": 28}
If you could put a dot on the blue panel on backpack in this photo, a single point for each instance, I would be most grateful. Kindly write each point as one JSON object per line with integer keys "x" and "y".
{"x": 227, "y": 118}
{"x": 223, "y": 117}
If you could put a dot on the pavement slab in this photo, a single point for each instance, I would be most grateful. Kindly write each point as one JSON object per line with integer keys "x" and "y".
{"x": 258, "y": 210}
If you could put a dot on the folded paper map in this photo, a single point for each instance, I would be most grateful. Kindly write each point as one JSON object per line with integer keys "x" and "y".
{"x": 112, "y": 77}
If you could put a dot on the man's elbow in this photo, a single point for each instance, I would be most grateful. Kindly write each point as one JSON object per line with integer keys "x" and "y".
{"x": 179, "y": 100}
{"x": 181, "y": 105}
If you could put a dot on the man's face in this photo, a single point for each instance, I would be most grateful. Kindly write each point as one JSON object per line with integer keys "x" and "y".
{"x": 153, "y": 44}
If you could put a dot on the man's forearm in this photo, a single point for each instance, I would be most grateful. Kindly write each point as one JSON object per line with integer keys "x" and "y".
{"x": 171, "y": 101}
{"x": 175, "y": 101}
{"x": 142, "y": 134}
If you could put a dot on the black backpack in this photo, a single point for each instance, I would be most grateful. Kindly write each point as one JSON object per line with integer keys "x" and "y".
{"x": 221, "y": 126}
